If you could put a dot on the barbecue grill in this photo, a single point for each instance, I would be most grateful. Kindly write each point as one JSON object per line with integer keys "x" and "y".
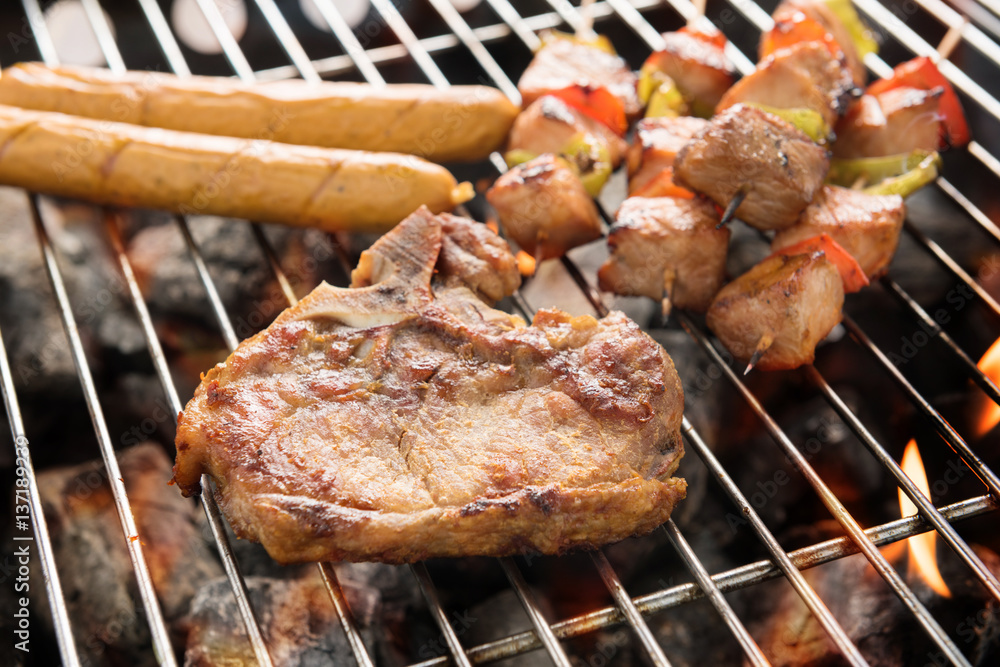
{"x": 506, "y": 33}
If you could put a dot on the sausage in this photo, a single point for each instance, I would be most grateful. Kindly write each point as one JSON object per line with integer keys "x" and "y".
{"x": 127, "y": 165}
{"x": 457, "y": 124}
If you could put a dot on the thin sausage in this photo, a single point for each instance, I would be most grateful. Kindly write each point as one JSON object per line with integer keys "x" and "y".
{"x": 127, "y": 165}
{"x": 460, "y": 123}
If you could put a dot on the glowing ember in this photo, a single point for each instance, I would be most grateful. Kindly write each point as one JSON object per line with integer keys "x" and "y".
{"x": 525, "y": 263}
{"x": 923, "y": 558}
{"x": 990, "y": 366}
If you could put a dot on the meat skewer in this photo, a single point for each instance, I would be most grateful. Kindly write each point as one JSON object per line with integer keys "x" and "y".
{"x": 564, "y": 144}
{"x": 768, "y": 167}
{"x": 666, "y": 248}
{"x": 545, "y": 208}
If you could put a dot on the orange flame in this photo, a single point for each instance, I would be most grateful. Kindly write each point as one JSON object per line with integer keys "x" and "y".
{"x": 525, "y": 263}
{"x": 922, "y": 558}
{"x": 990, "y": 366}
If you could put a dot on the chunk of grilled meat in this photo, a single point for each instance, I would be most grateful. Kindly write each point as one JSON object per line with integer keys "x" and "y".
{"x": 473, "y": 256}
{"x": 666, "y": 248}
{"x": 657, "y": 142}
{"x": 549, "y": 125}
{"x": 402, "y": 419}
{"x": 867, "y": 226}
{"x": 565, "y": 62}
{"x": 744, "y": 150}
{"x": 895, "y": 122}
{"x": 544, "y": 207}
{"x": 700, "y": 69}
{"x": 783, "y": 306}
{"x": 819, "y": 11}
{"x": 805, "y": 75}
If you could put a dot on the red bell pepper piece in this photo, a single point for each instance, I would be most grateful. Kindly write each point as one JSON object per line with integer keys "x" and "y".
{"x": 850, "y": 271}
{"x": 596, "y": 102}
{"x": 796, "y": 29}
{"x": 923, "y": 74}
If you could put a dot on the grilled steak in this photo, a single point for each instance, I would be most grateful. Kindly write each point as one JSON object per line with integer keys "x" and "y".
{"x": 404, "y": 419}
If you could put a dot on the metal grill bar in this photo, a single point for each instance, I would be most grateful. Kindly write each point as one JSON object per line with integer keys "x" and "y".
{"x": 213, "y": 513}
{"x": 154, "y": 616}
{"x": 727, "y": 582}
{"x": 409, "y": 40}
{"x": 346, "y": 37}
{"x": 981, "y": 379}
{"x": 927, "y": 509}
{"x": 832, "y": 502}
{"x": 434, "y": 602}
{"x": 627, "y": 607}
{"x": 949, "y": 434}
{"x": 747, "y": 643}
{"x": 951, "y": 265}
{"x": 781, "y": 559}
{"x": 50, "y": 573}
{"x": 411, "y": 47}
{"x": 542, "y": 628}
{"x": 344, "y": 614}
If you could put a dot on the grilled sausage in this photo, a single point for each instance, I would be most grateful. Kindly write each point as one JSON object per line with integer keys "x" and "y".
{"x": 461, "y": 123}
{"x": 128, "y": 165}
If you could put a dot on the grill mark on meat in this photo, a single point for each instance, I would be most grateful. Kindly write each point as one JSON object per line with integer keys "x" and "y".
{"x": 466, "y": 431}
{"x": 10, "y": 140}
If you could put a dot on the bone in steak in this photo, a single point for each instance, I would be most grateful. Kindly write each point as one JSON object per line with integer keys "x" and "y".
{"x": 403, "y": 418}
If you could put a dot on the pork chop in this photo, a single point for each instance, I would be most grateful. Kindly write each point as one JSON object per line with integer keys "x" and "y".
{"x": 402, "y": 418}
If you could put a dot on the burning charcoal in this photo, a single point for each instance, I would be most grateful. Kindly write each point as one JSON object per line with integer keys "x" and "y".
{"x": 299, "y": 623}
{"x": 244, "y": 280}
{"x": 501, "y": 616}
{"x": 97, "y": 576}
{"x": 693, "y": 635}
{"x": 33, "y": 332}
{"x": 874, "y": 618}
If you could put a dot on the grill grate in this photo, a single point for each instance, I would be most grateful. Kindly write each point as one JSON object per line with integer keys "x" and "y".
{"x": 626, "y": 610}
